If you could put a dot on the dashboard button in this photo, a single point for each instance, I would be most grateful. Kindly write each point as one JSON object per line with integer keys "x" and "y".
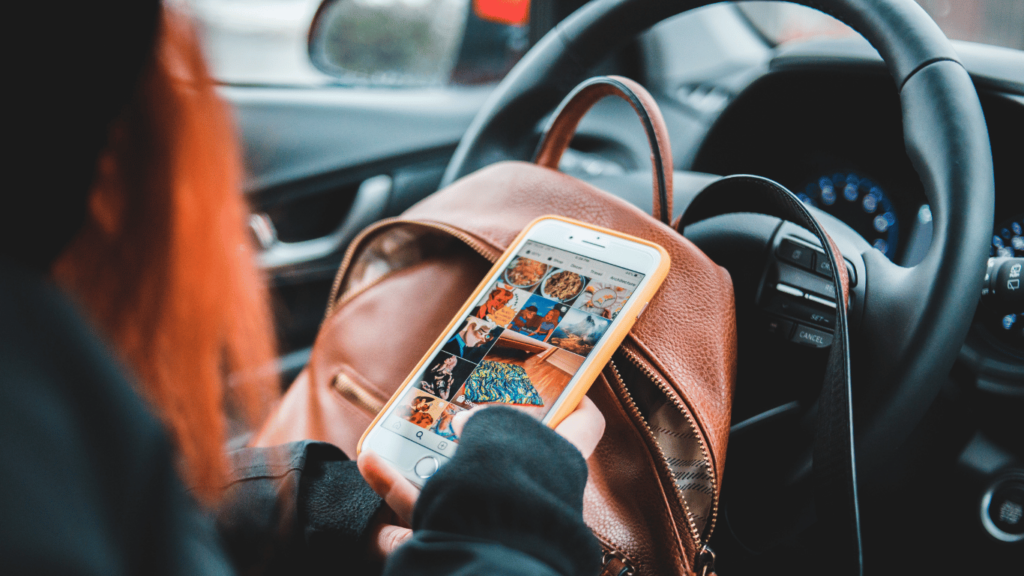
{"x": 799, "y": 310}
{"x": 785, "y": 289}
{"x": 1002, "y": 509}
{"x": 1007, "y": 509}
{"x": 811, "y": 337}
{"x": 822, "y": 265}
{"x": 822, "y": 301}
{"x": 796, "y": 254}
{"x": 426, "y": 467}
{"x": 806, "y": 281}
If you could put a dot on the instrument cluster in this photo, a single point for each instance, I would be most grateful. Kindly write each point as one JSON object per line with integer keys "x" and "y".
{"x": 861, "y": 203}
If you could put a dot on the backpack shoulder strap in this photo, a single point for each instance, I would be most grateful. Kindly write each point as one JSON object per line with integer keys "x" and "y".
{"x": 834, "y": 470}
{"x": 566, "y": 119}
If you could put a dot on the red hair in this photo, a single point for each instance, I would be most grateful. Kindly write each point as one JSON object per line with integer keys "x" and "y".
{"x": 165, "y": 266}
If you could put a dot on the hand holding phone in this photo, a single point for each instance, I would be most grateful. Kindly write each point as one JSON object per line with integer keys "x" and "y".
{"x": 533, "y": 336}
{"x": 583, "y": 429}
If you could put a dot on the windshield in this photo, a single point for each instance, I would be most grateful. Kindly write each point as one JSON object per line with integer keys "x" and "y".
{"x": 256, "y": 41}
{"x": 266, "y": 42}
{"x": 360, "y": 42}
{"x": 997, "y": 22}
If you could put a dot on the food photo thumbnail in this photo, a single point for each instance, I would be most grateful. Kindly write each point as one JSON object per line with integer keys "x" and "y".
{"x": 563, "y": 285}
{"x": 525, "y": 272}
{"x": 605, "y": 299}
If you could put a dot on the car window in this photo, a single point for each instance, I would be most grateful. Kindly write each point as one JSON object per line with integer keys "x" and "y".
{"x": 997, "y": 22}
{"x": 361, "y": 42}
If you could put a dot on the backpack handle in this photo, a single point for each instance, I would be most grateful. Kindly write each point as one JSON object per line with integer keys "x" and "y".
{"x": 566, "y": 119}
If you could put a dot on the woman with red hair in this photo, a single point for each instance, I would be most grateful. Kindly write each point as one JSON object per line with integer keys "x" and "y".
{"x": 129, "y": 190}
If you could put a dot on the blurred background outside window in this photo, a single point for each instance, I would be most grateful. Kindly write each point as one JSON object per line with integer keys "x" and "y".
{"x": 442, "y": 42}
{"x": 997, "y": 22}
{"x": 361, "y": 42}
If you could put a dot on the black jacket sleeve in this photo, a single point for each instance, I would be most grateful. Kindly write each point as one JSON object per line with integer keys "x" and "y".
{"x": 87, "y": 481}
{"x": 298, "y": 508}
{"x": 510, "y": 502}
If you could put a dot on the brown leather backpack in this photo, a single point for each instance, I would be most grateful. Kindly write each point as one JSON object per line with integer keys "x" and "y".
{"x": 655, "y": 478}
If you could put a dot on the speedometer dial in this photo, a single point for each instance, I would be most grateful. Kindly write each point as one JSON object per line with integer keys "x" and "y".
{"x": 861, "y": 203}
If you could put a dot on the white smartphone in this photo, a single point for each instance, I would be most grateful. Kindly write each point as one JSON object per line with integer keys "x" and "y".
{"x": 533, "y": 336}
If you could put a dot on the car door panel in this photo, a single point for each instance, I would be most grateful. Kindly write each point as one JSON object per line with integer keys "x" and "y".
{"x": 324, "y": 163}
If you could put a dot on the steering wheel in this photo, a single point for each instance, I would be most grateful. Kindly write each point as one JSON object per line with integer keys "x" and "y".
{"x": 913, "y": 320}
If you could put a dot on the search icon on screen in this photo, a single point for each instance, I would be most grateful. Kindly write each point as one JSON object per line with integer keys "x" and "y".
{"x": 419, "y": 434}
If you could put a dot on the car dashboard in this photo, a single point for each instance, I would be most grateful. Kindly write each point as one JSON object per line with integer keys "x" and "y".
{"x": 823, "y": 118}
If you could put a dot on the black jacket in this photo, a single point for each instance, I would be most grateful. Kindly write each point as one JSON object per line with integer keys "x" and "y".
{"x": 87, "y": 482}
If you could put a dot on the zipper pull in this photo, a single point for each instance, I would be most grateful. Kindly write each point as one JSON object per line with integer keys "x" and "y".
{"x": 614, "y": 563}
{"x": 705, "y": 565}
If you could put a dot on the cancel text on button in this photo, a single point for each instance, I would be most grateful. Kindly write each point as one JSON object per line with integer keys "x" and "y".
{"x": 811, "y": 337}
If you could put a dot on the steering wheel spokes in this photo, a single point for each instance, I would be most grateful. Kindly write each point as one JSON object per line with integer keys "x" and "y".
{"x": 907, "y": 323}
{"x": 913, "y": 319}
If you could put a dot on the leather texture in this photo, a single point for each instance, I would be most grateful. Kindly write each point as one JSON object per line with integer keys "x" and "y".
{"x": 629, "y": 510}
{"x": 901, "y": 371}
{"x": 400, "y": 285}
{"x": 375, "y": 339}
{"x": 688, "y": 331}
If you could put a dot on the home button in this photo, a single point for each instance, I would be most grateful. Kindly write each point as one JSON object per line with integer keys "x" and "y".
{"x": 426, "y": 467}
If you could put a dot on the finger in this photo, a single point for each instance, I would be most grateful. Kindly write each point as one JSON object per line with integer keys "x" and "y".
{"x": 584, "y": 427}
{"x": 385, "y": 539}
{"x": 399, "y": 493}
{"x": 460, "y": 419}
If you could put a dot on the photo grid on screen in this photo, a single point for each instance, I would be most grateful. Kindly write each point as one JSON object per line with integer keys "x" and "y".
{"x": 524, "y": 339}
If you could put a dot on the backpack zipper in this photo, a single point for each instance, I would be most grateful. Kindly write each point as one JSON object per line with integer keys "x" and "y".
{"x": 663, "y": 465}
{"x": 357, "y": 394}
{"x": 491, "y": 253}
{"x": 704, "y": 559}
{"x": 681, "y": 407}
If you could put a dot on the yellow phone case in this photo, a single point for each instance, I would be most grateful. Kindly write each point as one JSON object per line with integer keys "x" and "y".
{"x": 601, "y": 356}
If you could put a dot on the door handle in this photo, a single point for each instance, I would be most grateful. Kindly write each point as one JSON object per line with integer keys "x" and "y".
{"x": 368, "y": 206}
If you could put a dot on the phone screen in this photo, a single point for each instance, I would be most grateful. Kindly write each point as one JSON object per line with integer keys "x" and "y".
{"x": 520, "y": 344}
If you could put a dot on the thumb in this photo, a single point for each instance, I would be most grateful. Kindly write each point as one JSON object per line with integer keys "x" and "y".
{"x": 386, "y": 538}
{"x": 389, "y": 484}
{"x": 460, "y": 419}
